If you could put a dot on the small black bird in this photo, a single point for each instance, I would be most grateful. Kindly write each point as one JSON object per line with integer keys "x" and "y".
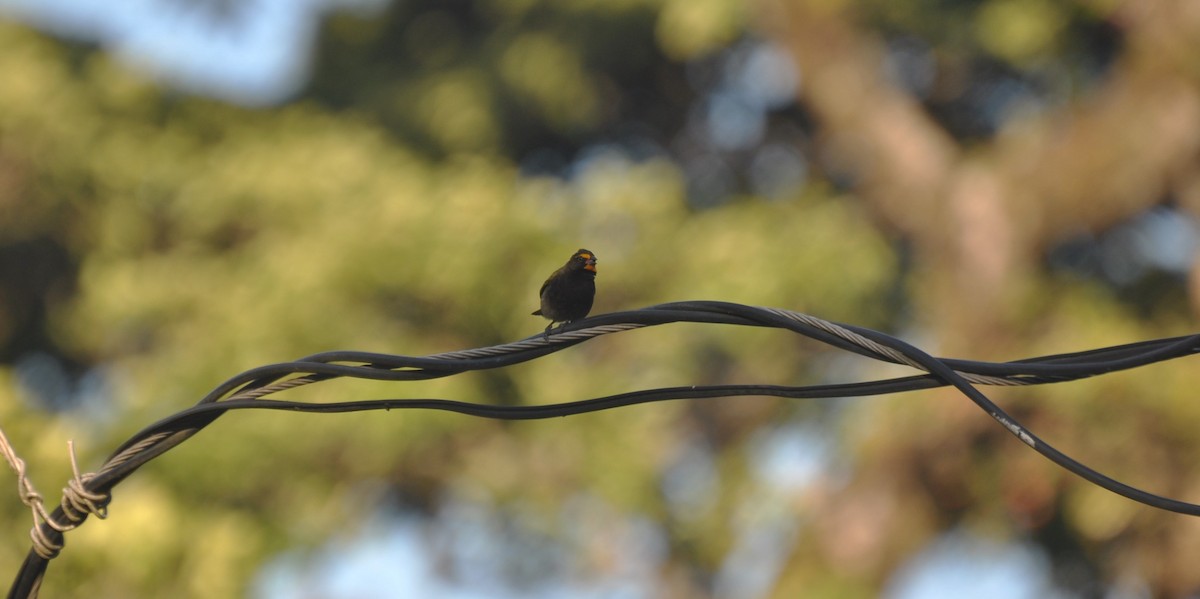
{"x": 567, "y": 295}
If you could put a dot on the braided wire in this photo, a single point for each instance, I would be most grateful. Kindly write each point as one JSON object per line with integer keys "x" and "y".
{"x": 89, "y": 493}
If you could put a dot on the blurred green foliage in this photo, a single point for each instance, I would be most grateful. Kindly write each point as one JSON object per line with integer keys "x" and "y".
{"x": 170, "y": 241}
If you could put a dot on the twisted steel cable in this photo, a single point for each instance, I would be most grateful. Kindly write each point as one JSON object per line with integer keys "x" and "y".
{"x": 251, "y": 389}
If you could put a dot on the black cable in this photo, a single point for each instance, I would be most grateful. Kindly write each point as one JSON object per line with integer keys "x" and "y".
{"x": 249, "y": 389}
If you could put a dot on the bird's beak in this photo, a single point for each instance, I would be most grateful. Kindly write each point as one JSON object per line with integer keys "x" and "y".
{"x": 590, "y": 264}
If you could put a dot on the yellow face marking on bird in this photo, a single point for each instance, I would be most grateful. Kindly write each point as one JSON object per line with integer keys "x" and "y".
{"x": 589, "y": 261}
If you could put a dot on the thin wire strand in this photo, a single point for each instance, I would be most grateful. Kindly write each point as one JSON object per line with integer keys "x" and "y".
{"x": 76, "y": 504}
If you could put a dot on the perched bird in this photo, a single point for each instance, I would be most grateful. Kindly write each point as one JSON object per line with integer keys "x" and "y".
{"x": 567, "y": 295}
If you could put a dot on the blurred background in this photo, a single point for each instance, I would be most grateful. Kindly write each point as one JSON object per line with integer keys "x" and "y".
{"x": 192, "y": 188}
